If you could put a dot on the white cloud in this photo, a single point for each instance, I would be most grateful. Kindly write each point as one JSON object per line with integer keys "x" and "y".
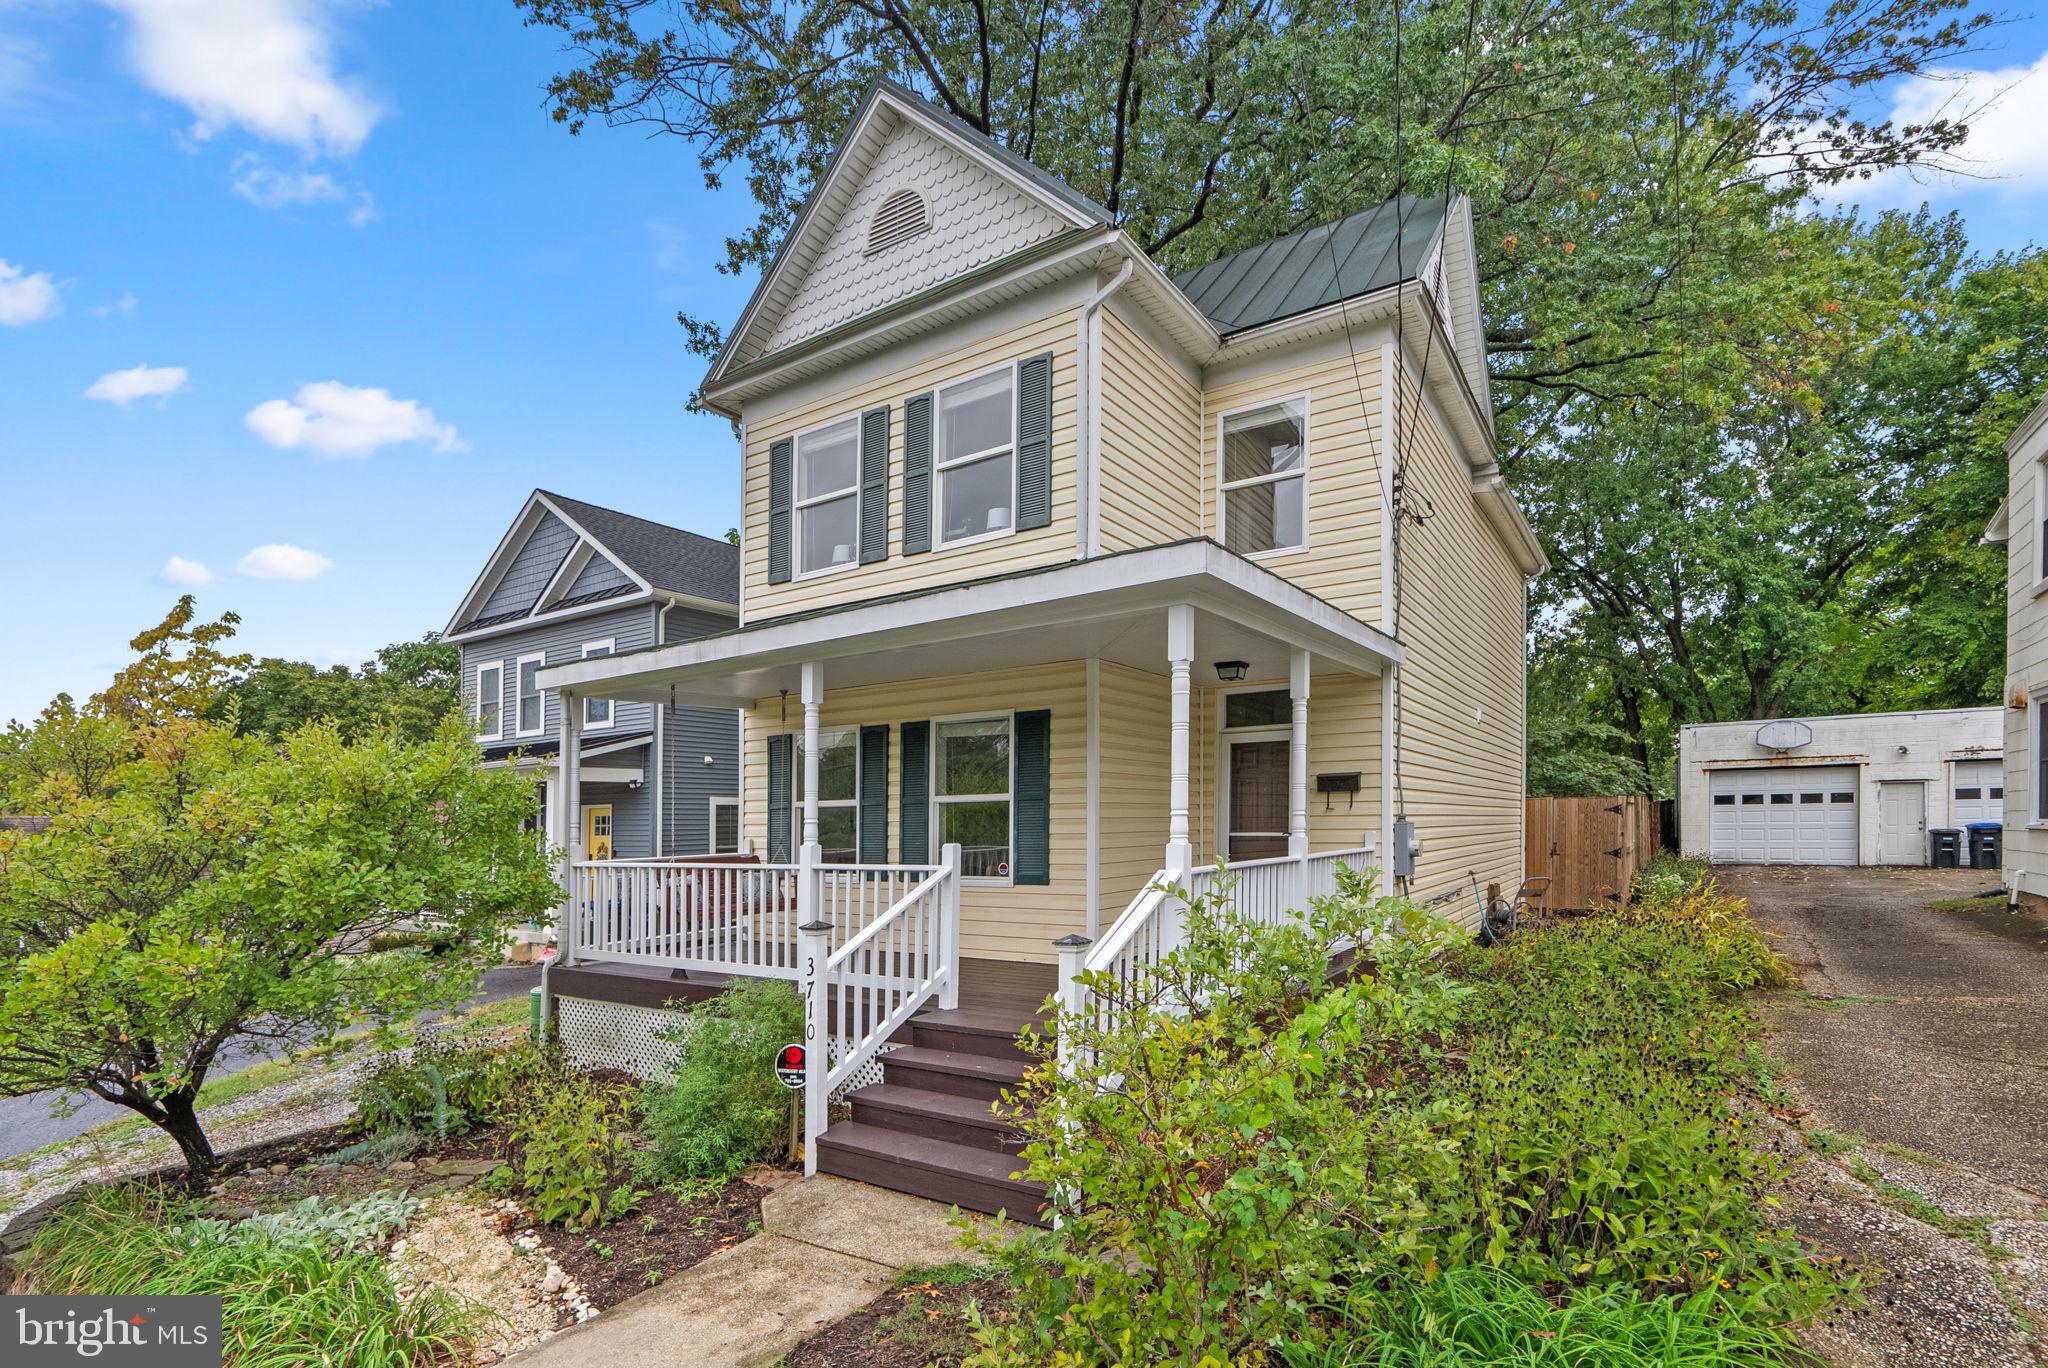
{"x": 365, "y": 210}
{"x": 279, "y": 561}
{"x": 123, "y": 306}
{"x": 26, "y": 298}
{"x": 346, "y": 420}
{"x": 190, "y": 573}
{"x": 139, "y": 382}
{"x": 2005, "y": 148}
{"x": 266, "y": 187}
{"x": 265, "y": 66}
{"x": 21, "y": 59}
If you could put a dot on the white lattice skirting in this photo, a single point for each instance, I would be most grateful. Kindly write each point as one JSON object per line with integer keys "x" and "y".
{"x": 613, "y": 1035}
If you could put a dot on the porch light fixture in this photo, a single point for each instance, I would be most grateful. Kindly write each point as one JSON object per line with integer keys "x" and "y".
{"x": 1231, "y": 671}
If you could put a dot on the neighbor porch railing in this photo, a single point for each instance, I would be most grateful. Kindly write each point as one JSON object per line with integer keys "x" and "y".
{"x": 1267, "y": 891}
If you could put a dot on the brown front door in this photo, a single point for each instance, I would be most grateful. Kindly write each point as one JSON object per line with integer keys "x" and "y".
{"x": 1258, "y": 799}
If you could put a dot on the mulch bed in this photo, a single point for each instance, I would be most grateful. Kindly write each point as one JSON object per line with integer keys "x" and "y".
{"x": 663, "y": 1236}
{"x": 906, "y": 1327}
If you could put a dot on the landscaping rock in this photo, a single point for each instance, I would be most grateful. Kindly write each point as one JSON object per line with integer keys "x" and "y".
{"x": 2026, "y": 1273}
{"x": 454, "y": 1244}
{"x": 402, "y": 1166}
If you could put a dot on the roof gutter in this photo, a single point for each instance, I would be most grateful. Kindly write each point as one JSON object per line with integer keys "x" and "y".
{"x": 1497, "y": 502}
{"x": 1087, "y": 425}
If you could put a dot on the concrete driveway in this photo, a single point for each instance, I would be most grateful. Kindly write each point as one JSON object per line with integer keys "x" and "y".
{"x": 1916, "y": 1088}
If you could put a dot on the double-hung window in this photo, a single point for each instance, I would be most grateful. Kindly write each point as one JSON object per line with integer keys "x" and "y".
{"x": 531, "y": 719}
{"x": 725, "y": 826}
{"x": 828, "y": 497}
{"x": 1264, "y": 478}
{"x": 974, "y": 449}
{"x": 597, "y": 712}
{"x": 838, "y": 793}
{"x": 971, "y": 775}
{"x": 490, "y": 701}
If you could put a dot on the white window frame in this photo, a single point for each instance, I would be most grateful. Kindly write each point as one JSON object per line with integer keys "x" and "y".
{"x": 826, "y": 736}
{"x": 2037, "y": 738}
{"x": 933, "y": 798}
{"x": 519, "y": 727}
{"x": 494, "y": 668}
{"x": 608, "y": 646}
{"x": 738, "y": 835}
{"x": 799, "y": 506}
{"x": 942, "y": 467}
{"x": 1224, "y": 487}
{"x": 2040, "y": 577}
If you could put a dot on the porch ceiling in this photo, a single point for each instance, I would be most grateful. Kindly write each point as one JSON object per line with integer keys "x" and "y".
{"x": 1109, "y": 606}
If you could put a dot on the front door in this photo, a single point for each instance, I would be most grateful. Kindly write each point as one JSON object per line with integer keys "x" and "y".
{"x": 597, "y": 832}
{"x": 1256, "y": 789}
{"x": 1902, "y": 823}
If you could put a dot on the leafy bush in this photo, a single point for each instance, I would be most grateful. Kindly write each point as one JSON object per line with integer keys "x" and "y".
{"x": 1236, "y": 1135}
{"x": 362, "y": 1225}
{"x": 725, "y": 1109}
{"x": 1480, "y": 1318}
{"x": 289, "y": 1295}
{"x": 569, "y": 1148}
{"x": 1679, "y": 899}
{"x": 441, "y": 1087}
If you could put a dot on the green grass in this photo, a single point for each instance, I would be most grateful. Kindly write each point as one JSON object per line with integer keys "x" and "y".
{"x": 1765, "y": 1074}
{"x": 1989, "y": 902}
{"x": 1974, "y": 1230}
{"x": 284, "y": 1302}
{"x": 1820, "y": 1003}
{"x": 1831, "y": 1142}
{"x": 1473, "y": 1317}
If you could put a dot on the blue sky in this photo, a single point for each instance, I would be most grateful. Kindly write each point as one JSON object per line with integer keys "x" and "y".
{"x": 298, "y": 299}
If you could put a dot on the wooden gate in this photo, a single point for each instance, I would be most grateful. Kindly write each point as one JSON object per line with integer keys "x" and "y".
{"x": 1589, "y": 848}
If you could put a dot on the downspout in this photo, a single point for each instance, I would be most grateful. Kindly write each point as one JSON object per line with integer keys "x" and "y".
{"x": 661, "y": 746}
{"x": 1088, "y": 405}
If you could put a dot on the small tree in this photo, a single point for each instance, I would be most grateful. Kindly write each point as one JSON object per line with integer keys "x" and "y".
{"x": 212, "y": 888}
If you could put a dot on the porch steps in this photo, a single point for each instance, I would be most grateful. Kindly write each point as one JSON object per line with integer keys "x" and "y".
{"x": 932, "y": 1127}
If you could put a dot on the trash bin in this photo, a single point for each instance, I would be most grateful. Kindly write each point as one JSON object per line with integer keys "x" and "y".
{"x": 1948, "y": 847}
{"x": 1987, "y": 840}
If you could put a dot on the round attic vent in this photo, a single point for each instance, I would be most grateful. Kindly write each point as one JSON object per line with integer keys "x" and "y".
{"x": 902, "y": 217}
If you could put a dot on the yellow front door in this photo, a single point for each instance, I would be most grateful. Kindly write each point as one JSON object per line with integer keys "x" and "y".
{"x": 597, "y": 832}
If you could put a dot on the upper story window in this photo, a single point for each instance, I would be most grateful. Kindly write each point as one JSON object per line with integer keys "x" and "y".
{"x": 974, "y": 452}
{"x": 1264, "y": 478}
{"x": 531, "y": 717}
{"x": 490, "y": 701}
{"x": 2040, "y": 523}
{"x": 597, "y": 712}
{"x": 828, "y": 497}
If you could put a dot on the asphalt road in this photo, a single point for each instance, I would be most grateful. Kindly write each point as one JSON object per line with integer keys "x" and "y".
{"x": 26, "y": 1122}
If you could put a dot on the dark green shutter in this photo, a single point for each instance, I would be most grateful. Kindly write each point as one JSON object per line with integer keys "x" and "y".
{"x": 914, "y": 800}
{"x": 1034, "y": 442}
{"x": 874, "y": 795}
{"x": 917, "y": 474}
{"x": 781, "y": 478}
{"x": 874, "y": 485}
{"x": 1031, "y": 861}
{"x": 780, "y": 777}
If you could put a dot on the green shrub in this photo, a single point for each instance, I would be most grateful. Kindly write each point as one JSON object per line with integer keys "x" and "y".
{"x": 441, "y": 1087}
{"x": 289, "y": 1294}
{"x": 1238, "y": 1136}
{"x": 569, "y": 1148}
{"x": 1666, "y": 876}
{"x": 1699, "y": 913}
{"x": 725, "y": 1109}
{"x": 1480, "y": 1318}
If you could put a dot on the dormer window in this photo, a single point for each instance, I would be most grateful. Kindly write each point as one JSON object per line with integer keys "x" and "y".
{"x": 901, "y": 217}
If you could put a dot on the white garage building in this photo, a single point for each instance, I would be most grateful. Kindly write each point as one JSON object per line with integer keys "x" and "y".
{"x": 1860, "y": 789}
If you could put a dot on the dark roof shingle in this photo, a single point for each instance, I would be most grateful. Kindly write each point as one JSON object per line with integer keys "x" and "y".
{"x": 666, "y": 557}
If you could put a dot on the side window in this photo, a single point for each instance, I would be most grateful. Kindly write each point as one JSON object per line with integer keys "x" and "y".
{"x": 828, "y": 497}
{"x": 490, "y": 701}
{"x": 725, "y": 826}
{"x": 532, "y": 715}
{"x": 597, "y": 712}
{"x": 1264, "y": 477}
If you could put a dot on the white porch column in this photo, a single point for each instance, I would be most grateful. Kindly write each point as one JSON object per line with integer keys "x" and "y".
{"x": 1180, "y": 655}
{"x": 809, "y": 854}
{"x": 1297, "y": 758}
{"x": 569, "y": 779}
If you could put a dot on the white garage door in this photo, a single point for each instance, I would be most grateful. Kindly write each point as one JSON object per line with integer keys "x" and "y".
{"x": 1979, "y": 792}
{"x": 1783, "y": 816}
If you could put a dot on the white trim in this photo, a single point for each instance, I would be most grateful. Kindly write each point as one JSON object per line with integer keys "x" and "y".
{"x": 739, "y": 834}
{"x": 1228, "y": 736}
{"x": 519, "y": 728}
{"x": 799, "y": 505}
{"x": 933, "y": 799}
{"x": 1093, "y": 882}
{"x": 591, "y": 650}
{"x": 497, "y": 731}
{"x": 800, "y": 768}
{"x": 1225, "y": 486}
{"x": 566, "y": 574}
{"x": 942, "y": 465}
{"x": 657, "y": 761}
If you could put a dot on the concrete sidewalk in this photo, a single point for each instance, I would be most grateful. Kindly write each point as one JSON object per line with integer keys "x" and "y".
{"x": 827, "y": 1247}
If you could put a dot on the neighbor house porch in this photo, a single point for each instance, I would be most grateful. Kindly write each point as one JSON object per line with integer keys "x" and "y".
{"x": 953, "y": 800}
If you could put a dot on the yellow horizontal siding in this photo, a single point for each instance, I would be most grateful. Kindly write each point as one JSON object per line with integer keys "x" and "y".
{"x": 1151, "y": 436}
{"x": 898, "y": 573}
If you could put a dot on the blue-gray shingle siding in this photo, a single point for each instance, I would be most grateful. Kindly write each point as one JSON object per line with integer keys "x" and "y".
{"x": 532, "y": 567}
{"x": 689, "y": 737}
{"x": 599, "y": 575}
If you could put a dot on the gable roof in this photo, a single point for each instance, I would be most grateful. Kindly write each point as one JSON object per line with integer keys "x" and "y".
{"x": 652, "y": 560}
{"x": 1370, "y": 250}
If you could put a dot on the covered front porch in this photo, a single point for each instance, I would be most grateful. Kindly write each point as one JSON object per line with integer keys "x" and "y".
{"x": 954, "y": 800}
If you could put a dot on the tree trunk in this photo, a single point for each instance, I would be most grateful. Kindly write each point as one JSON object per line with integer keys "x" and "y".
{"x": 181, "y": 1123}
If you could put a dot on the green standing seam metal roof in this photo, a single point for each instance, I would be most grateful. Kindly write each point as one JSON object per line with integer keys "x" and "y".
{"x": 1312, "y": 268}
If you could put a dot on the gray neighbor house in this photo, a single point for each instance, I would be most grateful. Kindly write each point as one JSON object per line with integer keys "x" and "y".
{"x": 571, "y": 580}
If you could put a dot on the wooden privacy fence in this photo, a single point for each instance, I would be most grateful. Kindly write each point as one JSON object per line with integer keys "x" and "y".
{"x": 1590, "y": 848}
